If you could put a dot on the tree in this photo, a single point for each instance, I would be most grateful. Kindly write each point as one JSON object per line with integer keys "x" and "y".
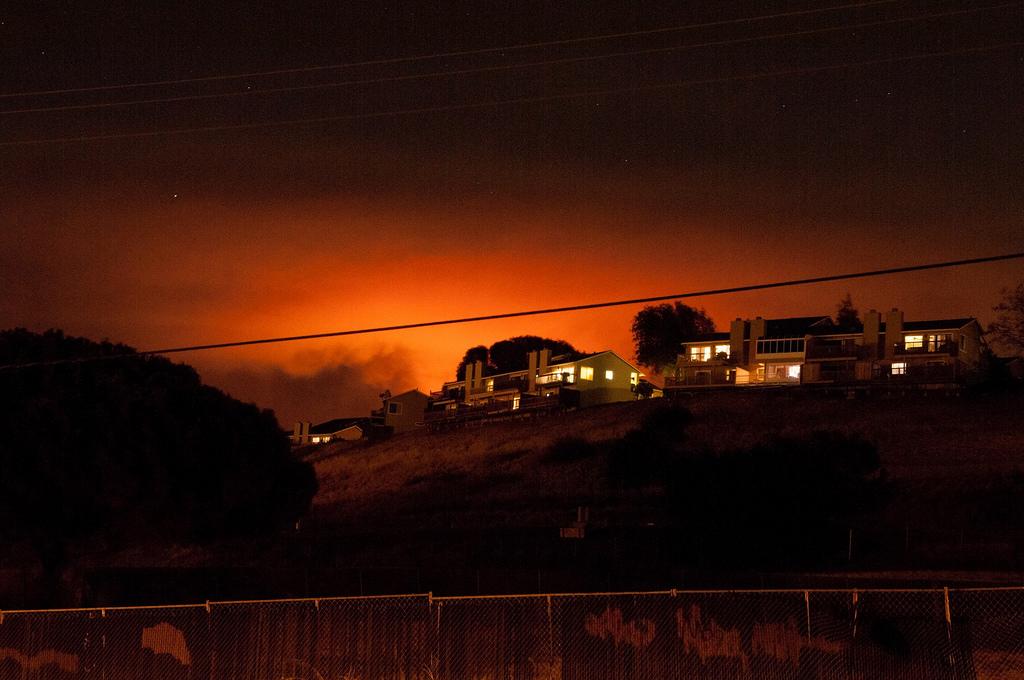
{"x": 847, "y": 315}
{"x": 512, "y": 354}
{"x": 659, "y": 330}
{"x": 133, "y": 450}
{"x": 1007, "y": 331}
{"x": 473, "y": 354}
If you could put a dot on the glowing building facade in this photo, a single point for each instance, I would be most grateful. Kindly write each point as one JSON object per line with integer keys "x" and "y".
{"x": 816, "y": 351}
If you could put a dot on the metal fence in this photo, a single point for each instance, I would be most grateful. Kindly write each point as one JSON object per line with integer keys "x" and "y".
{"x": 865, "y": 634}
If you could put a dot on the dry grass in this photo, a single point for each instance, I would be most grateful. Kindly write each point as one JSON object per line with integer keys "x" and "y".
{"x": 501, "y": 467}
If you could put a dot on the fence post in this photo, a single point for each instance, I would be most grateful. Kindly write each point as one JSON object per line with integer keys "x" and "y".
{"x": 807, "y": 608}
{"x": 856, "y": 611}
{"x": 949, "y": 618}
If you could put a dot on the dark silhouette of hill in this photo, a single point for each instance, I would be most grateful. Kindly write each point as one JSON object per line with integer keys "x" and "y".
{"x": 118, "y": 452}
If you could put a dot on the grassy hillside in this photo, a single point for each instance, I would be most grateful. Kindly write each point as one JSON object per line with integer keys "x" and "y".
{"x": 500, "y": 473}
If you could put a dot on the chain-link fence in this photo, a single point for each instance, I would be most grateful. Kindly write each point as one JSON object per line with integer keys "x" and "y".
{"x": 864, "y": 634}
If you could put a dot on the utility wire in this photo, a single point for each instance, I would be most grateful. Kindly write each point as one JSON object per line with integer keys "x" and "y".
{"x": 504, "y": 67}
{"x": 519, "y": 100}
{"x": 460, "y": 53}
{"x": 537, "y": 312}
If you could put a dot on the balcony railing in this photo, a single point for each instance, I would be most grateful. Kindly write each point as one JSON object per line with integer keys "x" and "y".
{"x": 696, "y": 380}
{"x": 720, "y": 358}
{"x": 463, "y": 412}
{"x": 921, "y": 373}
{"x": 846, "y": 349}
{"x": 949, "y": 348}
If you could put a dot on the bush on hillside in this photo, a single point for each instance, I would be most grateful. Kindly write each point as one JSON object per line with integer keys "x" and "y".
{"x": 646, "y": 455}
{"x": 569, "y": 450}
{"x": 778, "y": 498}
{"x": 133, "y": 449}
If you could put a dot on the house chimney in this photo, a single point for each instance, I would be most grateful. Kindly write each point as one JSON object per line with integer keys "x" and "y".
{"x": 545, "y": 359}
{"x": 300, "y": 432}
{"x": 872, "y": 326}
{"x": 469, "y": 378}
{"x": 893, "y": 331}
{"x": 478, "y": 375}
{"x": 737, "y": 330}
{"x": 758, "y": 327}
{"x": 531, "y": 373}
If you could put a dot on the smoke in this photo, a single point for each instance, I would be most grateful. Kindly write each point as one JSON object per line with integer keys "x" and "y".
{"x": 341, "y": 389}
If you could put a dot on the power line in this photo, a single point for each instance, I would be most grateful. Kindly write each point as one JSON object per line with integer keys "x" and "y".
{"x": 503, "y": 102}
{"x": 503, "y": 67}
{"x": 459, "y": 53}
{"x": 537, "y": 312}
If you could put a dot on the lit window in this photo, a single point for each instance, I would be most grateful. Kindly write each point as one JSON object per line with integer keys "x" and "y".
{"x": 609, "y": 375}
{"x": 586, "y": 373}
{"x": 914, "y": 342}
{"x": 786, "y": 346}
{"x": 899, "y": 368}
{"x": 722, "y": 349}
{"x": 515, "y": 402}
{"x": 490, "y": 385}
{"x": 316, "y": 440}
{"x": 634, "y": 378}
{"x": 794, "y": 371}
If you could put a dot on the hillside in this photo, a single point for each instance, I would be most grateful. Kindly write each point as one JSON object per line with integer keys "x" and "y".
{"x": 498, "y": 473}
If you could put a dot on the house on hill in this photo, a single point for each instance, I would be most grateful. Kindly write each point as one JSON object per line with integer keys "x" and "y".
{"x": 566, "y": 380}
{"x": 814, "y": 350}
{"x": 338, "y": 429}
{"x": 401, "y": 412}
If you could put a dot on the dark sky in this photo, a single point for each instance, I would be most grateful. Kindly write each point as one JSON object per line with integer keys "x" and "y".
{"x": 654, "y": 188}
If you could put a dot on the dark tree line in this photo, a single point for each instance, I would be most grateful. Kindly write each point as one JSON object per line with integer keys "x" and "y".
{"x": 133, "y": 450}
{"x": 512, "y": 354}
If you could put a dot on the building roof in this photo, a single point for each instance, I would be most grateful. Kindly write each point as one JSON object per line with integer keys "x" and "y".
{"x": 795, "y": 327}
{"x": 407, "y": 393}
{"x": 337, "y": 425}
{"x": 706, "y": 337}
{"x": 935, "y": 324}
{"x": 553, "y": 364}
{"x": 799, "y": 326}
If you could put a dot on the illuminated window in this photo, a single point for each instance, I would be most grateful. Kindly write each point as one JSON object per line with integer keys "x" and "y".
{"x": 700, "y": 353}
{"x": 316, "y": 440}
{"x": 515, "y": 402}
{"x": 782, "y": 346}
{"x": 914, "y": 341}
{"x": 794, "y": 371}
{"x": 586, "y": 373}
{"x": 490, "y": 385}
{"x": 609, "y": 375}
{"x": 634, "y": 378}
{"x": 899, "y": 368}
{"x": 722, "y": 349}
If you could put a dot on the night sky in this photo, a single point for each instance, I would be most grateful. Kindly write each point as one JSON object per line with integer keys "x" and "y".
{"x": 647, "y": 189}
